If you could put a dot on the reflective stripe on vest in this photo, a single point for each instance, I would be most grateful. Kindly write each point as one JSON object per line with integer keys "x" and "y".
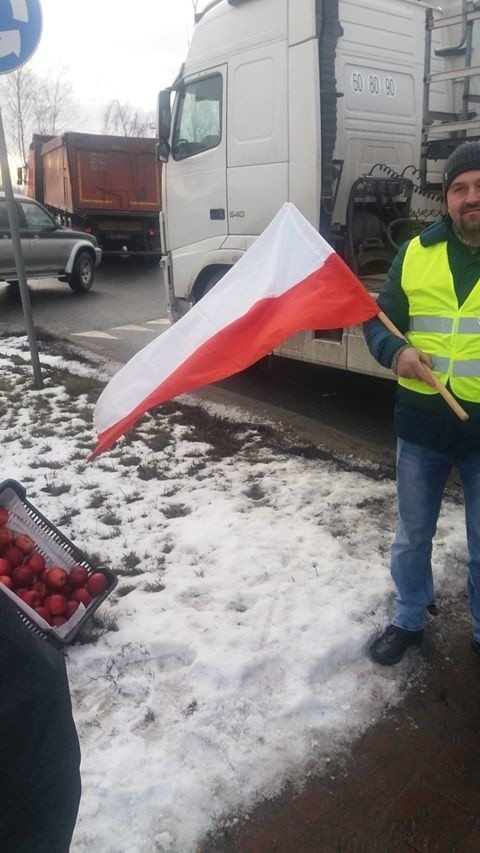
{"x": 466, "y": 325}
{"x": 438, "y": 326}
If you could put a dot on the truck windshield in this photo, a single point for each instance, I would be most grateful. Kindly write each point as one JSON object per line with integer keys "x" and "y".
{"x": 198, "y": 120}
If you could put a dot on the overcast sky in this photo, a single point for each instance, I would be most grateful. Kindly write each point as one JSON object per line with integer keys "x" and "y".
{"x": 113, "y": 49}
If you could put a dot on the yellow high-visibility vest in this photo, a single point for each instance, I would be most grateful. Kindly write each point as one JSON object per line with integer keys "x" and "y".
{"x": 448, "y": 333}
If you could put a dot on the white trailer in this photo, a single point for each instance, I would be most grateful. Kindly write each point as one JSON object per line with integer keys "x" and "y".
{"x": 347, "y": 108}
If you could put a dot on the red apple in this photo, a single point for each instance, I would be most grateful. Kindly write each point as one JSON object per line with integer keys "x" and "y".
{"x": 3, "y": 515}
{"x": 24, "y": 543}
{"x": 6, "y": 537}
{"x": 7, "y": 581}
{"x": 78, "y": 576}
{"x": 22, "y": 577}
{"x": 58, "y": 620}
{"x": 32, "y": 597}
{"x": 55, "y": 578}
{"x": 81, "y": 595}
{"x": 43, "y": 612}
{"x": 5, "y": 566}
{"x": 40, "y": 587}
{"x": 55, "y": 604}
{"x": 36, "y": 563}
{"x": 14, "y": 556}
{"x": 71, "y": 607}
{"x": 96, "y": 584}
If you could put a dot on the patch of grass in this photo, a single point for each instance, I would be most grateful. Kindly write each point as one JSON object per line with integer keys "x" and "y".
{"x": 175, "y": 510}
{"x": 43, "y": 431}
{"x": 159, "y": 441}
{"x": 18, "y": 361}
{"x": 226, "y": 438}
{"x": 131, "y": 560}
{"x": 77, "y": 386}
{"x": 114, "y": 533}
{"x": 149, "y": 472}
{"x": 84, "y": 444}
{"x": 41, "y": 404}
{"x": 190, "y": 709}
{"x": 135, "y": 496}
{"x": 96, "y": 560}
{"x": 110, "y": 518}
{"x": 53, "y": 464}
{"x": 85, "y": 414}
{"x": 9, "y": 436}
{"x": 122, "y": 591}
{"x": 130, "y": 461}
{"x": 108, "y": 465}
{"x": 170, "y": 491}
{"x": 56, "y": 490}
{"x": 67, "y": 516}
{"x": 154, "y": 586}
{"x": 97, "y": 499}
{"x": 96, "y": 627}
{"x": 255, "y": 492}
{"x": 195, "y": 468}
{"x": 124, "y": 572}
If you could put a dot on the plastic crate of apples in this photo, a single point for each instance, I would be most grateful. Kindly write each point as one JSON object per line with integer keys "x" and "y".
{"x": 48, "y": 579}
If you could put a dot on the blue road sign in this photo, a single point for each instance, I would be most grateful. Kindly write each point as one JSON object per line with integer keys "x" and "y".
{"x": 20, "y": 30}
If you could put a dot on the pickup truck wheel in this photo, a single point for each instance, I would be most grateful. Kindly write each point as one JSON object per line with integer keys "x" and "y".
{"x": 83, "y": 272}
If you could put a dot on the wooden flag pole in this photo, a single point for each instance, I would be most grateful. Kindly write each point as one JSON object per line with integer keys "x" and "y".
{"x": 445, "y": 393}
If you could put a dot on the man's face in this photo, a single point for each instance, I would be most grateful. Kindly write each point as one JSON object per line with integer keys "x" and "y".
{"x": 463, "y": 204}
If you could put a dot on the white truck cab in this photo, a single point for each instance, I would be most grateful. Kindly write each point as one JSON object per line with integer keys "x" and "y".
{"x": 347, "y": 108}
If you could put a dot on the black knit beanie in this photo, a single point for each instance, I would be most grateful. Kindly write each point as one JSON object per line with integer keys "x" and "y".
{"x": 463, "y": 159}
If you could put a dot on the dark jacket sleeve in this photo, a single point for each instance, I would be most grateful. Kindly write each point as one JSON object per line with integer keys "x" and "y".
{"x": 39, "y": 749}
{"x": 392, "y": 300}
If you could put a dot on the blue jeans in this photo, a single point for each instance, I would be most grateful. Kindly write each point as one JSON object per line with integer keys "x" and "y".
{"x": 421, "y": 477}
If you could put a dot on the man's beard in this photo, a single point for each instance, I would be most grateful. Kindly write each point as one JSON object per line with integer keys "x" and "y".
{"x": 470, "y": 227}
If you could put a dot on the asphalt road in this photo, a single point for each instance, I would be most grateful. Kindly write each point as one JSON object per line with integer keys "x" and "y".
{"x": 125, "y": 310}
{"x": 125, "y": 293}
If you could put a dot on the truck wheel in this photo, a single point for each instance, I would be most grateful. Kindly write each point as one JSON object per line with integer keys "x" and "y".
{"x": 210, "y": 282}
{"x": 83, "y": 272}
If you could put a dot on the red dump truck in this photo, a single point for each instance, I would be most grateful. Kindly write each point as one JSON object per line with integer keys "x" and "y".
{"x": 108, "y": 186}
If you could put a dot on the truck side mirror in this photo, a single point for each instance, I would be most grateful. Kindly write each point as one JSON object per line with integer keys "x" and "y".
{"x": 163, "y": 150}
{"x": 164, "y": 115}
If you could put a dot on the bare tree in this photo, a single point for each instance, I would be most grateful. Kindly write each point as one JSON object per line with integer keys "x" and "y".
{"x": 19, "y": 102}
{"x": 126, "y": 120}
{"x": 54, "y": 105}
{"x": 33, "y": 104}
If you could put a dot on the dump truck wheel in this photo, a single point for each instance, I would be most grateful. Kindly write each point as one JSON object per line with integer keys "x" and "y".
{"x": 83, "y": 272}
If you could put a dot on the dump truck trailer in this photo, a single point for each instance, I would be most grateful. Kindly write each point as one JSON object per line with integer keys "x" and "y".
{"x": 108, "y": 186}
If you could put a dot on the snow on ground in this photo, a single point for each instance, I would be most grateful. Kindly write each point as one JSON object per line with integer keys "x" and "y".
{"x": 251, "y": 579}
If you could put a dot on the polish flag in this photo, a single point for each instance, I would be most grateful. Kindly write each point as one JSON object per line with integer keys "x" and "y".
{"x": 289, "y": 280}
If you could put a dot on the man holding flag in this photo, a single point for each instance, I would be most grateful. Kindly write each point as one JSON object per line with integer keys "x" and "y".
{"x": 432, "y": 294}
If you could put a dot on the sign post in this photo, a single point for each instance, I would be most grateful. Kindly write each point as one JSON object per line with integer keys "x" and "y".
{"x": 20, "y": 30}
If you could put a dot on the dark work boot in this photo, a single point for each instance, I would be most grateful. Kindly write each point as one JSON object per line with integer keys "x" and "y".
{"x": 391, "y": 646}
